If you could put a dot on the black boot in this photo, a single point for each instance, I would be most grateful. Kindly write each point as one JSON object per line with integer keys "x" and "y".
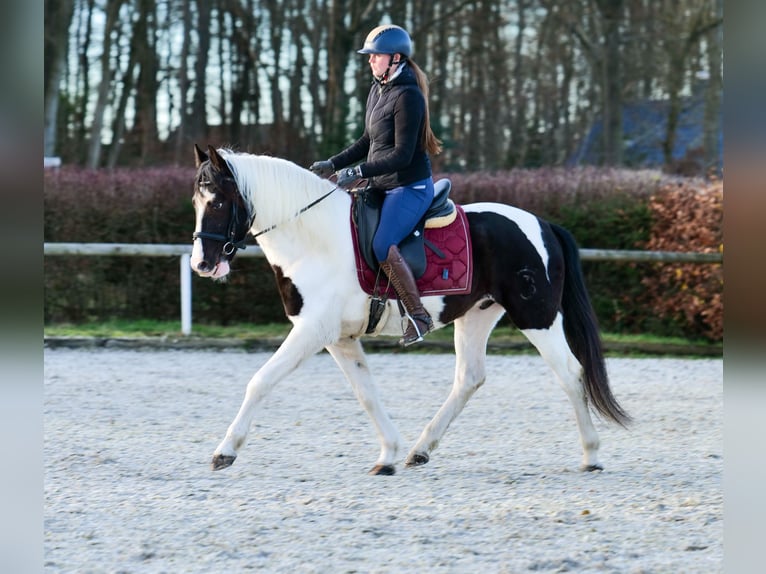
{"x": 419, "y": 321}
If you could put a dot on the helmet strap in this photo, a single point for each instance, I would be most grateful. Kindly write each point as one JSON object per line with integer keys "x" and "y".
{"x": 384, "y": 78}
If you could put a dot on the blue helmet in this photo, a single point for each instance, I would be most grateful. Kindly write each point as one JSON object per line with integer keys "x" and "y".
{"x": 387, "y": 39}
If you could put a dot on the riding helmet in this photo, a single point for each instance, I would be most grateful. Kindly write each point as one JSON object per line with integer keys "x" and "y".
{"x": 388, "y": 39}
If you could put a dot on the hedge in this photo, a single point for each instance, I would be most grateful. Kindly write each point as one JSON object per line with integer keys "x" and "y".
{"x": 603, "y": 208}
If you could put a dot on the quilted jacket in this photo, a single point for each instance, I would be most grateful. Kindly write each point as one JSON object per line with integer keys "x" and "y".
{"x": 392, "y": 142}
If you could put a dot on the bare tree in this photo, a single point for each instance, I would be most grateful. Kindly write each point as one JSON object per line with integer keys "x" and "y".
{"x": 512, "y": 83}
{"x": 105, "y": 84}
{"x": 246, "y": 55}
{"x": 181, "y": 151}
{"x": 83, "y": 76}
{"x": 58, "y": 18}
{"x": 196, "y": 120}
{"x": 517, "y": 151}
{"x": 684, "y": 26}
{"x": 126, "y": 84}
{"x": 611, "y": 15}
{"x": 714, "y": 91}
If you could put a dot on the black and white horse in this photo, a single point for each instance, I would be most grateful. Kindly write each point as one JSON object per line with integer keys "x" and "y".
{"x": 523, "y": 266}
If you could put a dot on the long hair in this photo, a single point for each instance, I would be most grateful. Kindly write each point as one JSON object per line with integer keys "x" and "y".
{"x": 431, "y": 143}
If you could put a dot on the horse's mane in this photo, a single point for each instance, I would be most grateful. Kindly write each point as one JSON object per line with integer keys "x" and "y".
{"x": 279, "y": 187}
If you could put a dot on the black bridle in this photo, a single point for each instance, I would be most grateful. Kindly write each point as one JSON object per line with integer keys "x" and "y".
{"x": 229, "y": 239}
{"x": 239, "y": 225}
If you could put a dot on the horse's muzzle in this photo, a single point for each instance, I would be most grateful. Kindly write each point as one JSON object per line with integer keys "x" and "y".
{"x": 206, "y": 269}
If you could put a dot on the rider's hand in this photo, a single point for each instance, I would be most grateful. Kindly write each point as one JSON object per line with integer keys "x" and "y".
{"x": 348, "y": 176}
{"x": 323, "y": 168}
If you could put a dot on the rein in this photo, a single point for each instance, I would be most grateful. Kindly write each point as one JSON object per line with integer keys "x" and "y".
{"x": 299, "y": 212}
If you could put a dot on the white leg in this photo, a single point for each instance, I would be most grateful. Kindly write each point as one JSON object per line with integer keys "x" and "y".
{"x": 299, "y": 344}
{"x": 553, "y": 347}
{"x": 471, "y": 334}
{"x": 350, "y": 357}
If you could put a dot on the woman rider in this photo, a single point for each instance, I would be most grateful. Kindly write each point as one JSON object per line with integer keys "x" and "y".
{"x": 395, "y": 147}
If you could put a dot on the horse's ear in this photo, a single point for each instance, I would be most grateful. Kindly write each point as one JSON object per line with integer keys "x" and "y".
{"x": 199, "y": 156}
{"x": 218, "y": 162}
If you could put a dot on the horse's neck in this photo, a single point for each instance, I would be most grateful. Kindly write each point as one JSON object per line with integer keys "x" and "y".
{"x": 321, "y": 233}
{"x": 281, "y": 195}
{"x": 275, "y": 188}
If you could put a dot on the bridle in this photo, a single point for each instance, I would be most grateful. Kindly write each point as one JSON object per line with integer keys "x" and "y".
{"x": 230, "y": 242}
{"x": 229, "y": 239}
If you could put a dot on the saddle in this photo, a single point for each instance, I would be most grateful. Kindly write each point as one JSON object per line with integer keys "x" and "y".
{"x": 438, "y": 250}
{"x": 366, "y": 218}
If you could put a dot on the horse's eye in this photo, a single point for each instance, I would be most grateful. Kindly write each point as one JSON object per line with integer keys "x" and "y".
{"x": 216, "y": 204}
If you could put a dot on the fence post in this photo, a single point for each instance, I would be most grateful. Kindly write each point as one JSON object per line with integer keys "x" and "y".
{"x": 186, "y": 295}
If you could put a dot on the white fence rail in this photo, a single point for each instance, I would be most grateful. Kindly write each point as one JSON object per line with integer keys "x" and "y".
{"x": 184, "y": 251}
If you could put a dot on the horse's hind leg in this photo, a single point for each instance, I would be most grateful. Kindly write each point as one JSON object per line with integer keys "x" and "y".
{"x": 553, "y": 347}
{"x": 350, "y": 357}
{"x": 471, "y": 334}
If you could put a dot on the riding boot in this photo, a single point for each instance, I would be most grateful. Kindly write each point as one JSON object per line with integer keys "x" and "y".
{"x": 418, "y": 320}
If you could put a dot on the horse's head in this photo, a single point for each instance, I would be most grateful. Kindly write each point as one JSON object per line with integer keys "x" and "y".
{"x": 222, "y": 221}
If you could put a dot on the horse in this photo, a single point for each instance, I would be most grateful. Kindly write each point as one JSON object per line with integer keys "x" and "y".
{"x": 524, "y": 267}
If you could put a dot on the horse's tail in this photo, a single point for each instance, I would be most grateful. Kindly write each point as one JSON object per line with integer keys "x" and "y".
{"x": 582, "y": 332}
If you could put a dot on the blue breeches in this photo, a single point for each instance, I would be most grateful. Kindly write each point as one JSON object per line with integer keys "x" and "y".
{"x": 402, "y": 208}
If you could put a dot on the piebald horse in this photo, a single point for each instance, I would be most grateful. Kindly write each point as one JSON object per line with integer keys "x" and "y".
{"x": 523, "y": 266}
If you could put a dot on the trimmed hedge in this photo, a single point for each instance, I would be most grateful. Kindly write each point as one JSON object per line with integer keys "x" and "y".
{"x": 603, "y": 208}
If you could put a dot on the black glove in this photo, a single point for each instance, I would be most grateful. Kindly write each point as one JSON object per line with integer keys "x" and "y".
{"x": 348, "y": 176}
{"x": 323, "y": 168}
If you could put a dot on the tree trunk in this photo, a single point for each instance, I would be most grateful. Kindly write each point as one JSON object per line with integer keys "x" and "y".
{"x": 278, "y": 139}
{"x": 58, "y": 18}
{"x": 94, "y": 144}
{"x": 182, "y": 146}
{"x": 700, "y": 24}
{"x": 245, "y": 92}
{"x": 712, "y": 127}
{"x": 145, "y": 127}
{"x": 517, "y": 152}
{"x": 340, "y": 46}
{"x": 611, "y": 14}
{"x": 118, "y": 125}
{"x": 197, "y": 120}
{"x": 80, "y": 130}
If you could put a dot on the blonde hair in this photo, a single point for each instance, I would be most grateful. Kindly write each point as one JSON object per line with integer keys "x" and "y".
{"x": 431, "y": 143}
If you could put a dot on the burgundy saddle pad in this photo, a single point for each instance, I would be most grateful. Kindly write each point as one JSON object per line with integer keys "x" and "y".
{"x": 448, "y": 275}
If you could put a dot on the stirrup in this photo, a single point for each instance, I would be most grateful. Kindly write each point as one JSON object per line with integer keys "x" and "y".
{"x": 408, "y": 321}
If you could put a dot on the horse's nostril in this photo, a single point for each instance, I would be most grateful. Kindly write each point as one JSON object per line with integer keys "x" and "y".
{"x": 204, "y": 266}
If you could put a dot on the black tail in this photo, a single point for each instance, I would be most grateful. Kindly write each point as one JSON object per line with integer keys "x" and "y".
{"x": 582, "y": 332}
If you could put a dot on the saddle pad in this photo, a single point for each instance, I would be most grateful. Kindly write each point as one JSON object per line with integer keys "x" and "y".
{"x": 450, "y": 275}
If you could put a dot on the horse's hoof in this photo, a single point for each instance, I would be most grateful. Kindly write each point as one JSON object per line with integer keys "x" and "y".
{"x": 591, "y": 468}
{"x": 417, "y": 459}
{"x": 383, "y": 470}
{"x": 221, "y": 461}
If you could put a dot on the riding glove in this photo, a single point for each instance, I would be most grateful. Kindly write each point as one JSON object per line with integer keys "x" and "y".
{"x": 348, "y": 176}
{"x": 323, "y": 168}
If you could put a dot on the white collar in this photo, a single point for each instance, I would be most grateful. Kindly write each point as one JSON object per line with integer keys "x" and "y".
{"x": 398, "y": 71}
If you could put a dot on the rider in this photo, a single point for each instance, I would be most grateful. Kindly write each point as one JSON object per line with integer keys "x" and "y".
{"x": 395, "y": 147}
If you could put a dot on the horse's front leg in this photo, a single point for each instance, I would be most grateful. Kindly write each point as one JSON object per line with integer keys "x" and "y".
{"x": 299, "y": 344}
{"x": 350, "y": 357}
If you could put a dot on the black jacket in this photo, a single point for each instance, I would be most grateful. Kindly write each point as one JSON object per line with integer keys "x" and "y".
{"x": 392, "y": 140}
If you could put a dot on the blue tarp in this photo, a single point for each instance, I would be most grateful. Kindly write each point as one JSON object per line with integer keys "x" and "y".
{"x": 644, "y": 125}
